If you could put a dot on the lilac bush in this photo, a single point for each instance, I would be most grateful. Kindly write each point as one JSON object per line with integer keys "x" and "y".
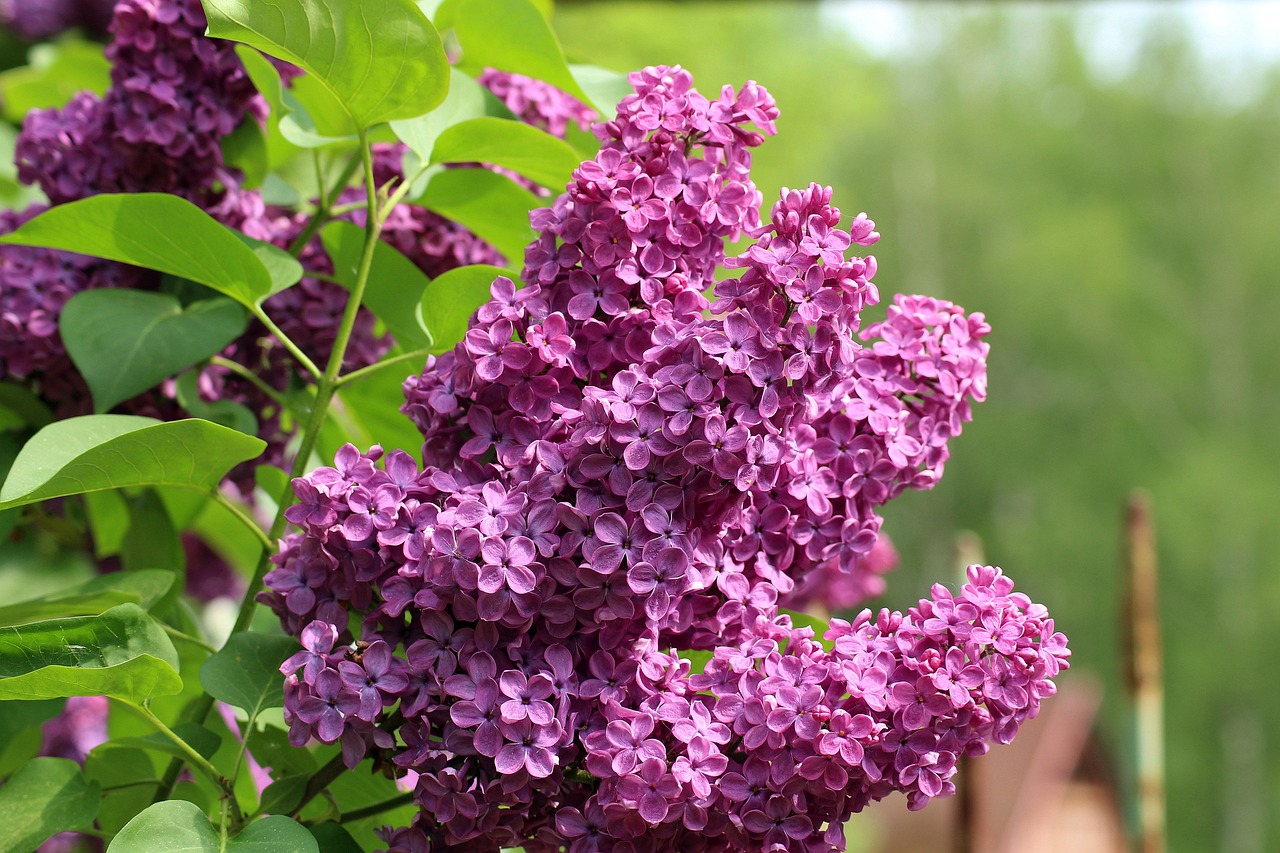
{"x": 617, "y": 466}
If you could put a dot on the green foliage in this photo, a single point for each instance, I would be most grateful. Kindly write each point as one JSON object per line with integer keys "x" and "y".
{"x": 177, "y": 825}
{"x": 246, "y": 671}
{"x": 122, "y": 652}
{"x": 126, "y": 341}
{"x": 453, "y": 297}
{"x": 522, "y": 148}
{"x": 97, "y": 452}
{"x": 165, "y": 233}
{"x": 378, "y": 60}
{"x": 143, "y": 588}
{"x": 489, "y": 204}
{"x": 332, "y": 838}
{"x": 395, "y": 285}
{"x": 45, "y": 797}
{"x": 466, "y": 100}
{"x": 55, "y": 74}
{"x": 510, "y": 35}
{"x": 202, "y": 740}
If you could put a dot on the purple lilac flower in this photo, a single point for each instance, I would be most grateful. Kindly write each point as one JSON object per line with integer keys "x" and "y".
{"x": 641, "y": 470}
{"x": 37, "y": 20}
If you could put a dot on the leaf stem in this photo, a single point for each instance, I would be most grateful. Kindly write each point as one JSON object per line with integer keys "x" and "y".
{"x": 186, "y": 638}
{"x": 418, "y": 354}
{"x": 325, "y": 212}
{"x": 240, "y": 516}
{"x": 326, "y": 387}
{"x": 377, "y": 808}
{"x": 248, "y": 375}
{"x": 193, "y": 758}
{"x": 294, "y": 349}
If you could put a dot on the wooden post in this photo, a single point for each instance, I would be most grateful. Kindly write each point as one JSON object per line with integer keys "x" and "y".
{"x": 1145, "y": 678}
{"x": 967, "y": 551}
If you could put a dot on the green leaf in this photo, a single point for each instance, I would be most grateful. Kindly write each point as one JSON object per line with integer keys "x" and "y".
{"x": 697, "y": 658}
{"x": 246, "y": 671}
{"x": 332, "y": 838}
{"x": 20, "y": 737}
{"x": 198, "y": 737}
{"x": 452, "y": 298}
{"x": 605, "y": 88}
{"x": 266, "y": 79}
{"x": 25, "y": 406}
{"x": 283, "y": 795}
{"x": 98, "y": 452}
{"x": 119, "y": 772}
{"x": 491, "y": 205}
{"x": 122, "y": 653}
{"x": 394, "y": 289}
{"x": 225, "y": 412}
{"x": 153, "y": 542}
{"x": 365, "y": 402}
{"x": 510, "y": 35}
{"x": 108, "y": 516}
{"x": 143, "y": 588}
{"x": 379, "y": 59}
{"x": 166, "y": 233}
{"x": 466, "y": 101}
{"x": 126, "y": 341}
{"x": 47, "y": 796}
{"x": 245, "y": 148}
{"x": 517, "y": 146}
{"x": 55, "y": 74}
{"x": 175, "y": 825}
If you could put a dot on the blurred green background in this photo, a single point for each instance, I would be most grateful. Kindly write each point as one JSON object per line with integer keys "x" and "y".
{"x": 1104, "y": 183}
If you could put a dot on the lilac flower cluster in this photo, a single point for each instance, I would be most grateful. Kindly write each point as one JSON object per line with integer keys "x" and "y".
{"x": 35, "y": 21}
{"x": 615, "y": 466}
{"x": 34, "y": 285}
{"x": 174, "y": 95}
{"x": 537, "y": 103}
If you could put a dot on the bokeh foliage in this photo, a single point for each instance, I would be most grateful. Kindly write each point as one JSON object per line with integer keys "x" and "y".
{"x": 1119, "y": 231}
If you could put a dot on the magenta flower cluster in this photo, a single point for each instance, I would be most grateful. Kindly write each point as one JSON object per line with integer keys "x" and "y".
{"x": 615, "y": 467}
{"x": 174, "y": 94}
{"x": 538, "y": 103}
{"x": 35, "y": 20}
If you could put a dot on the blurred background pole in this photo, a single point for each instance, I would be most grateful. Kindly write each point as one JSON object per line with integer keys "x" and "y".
{"x": 967, "y": 551}
{"x": 1146, "y": 687}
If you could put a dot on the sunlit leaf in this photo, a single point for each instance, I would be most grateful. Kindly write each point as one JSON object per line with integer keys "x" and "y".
{"x": 166, "y": 233}
{"x": 98, "y": 452}
{"x": 122, "y": 652}
{"x": 379, "y": 60}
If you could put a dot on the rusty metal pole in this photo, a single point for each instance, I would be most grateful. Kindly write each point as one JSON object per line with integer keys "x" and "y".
{"x": 1145, "y": 676}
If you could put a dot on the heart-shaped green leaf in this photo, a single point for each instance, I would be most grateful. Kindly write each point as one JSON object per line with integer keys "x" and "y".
{"x": 379, "y": 60}
{"x": 491, "y": 205}
{"x": 176, "y": 825}
{"x": 122, "y": 652}
{"x": 452, "y": 298}
{"x": 97, "y": 452}
{"x": 510, "y": 35}
{"x": 45, "y": 797}
{"x": 126, "y": 341}
{"x": 143, "y": 588}
{"x": 517, "y": 146}
{"x": 246, "y": 671}
{"x": 394, "y": 288}
{"x": 166, "y": 233}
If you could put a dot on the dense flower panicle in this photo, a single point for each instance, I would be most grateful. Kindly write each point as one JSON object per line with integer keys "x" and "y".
{"x": 537, "y": 103}
{"x": 34, "y": 286}
{"x": 36, "y": 20}
{"x": 615, "y": 466}
{"x": 174, "y": 95}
